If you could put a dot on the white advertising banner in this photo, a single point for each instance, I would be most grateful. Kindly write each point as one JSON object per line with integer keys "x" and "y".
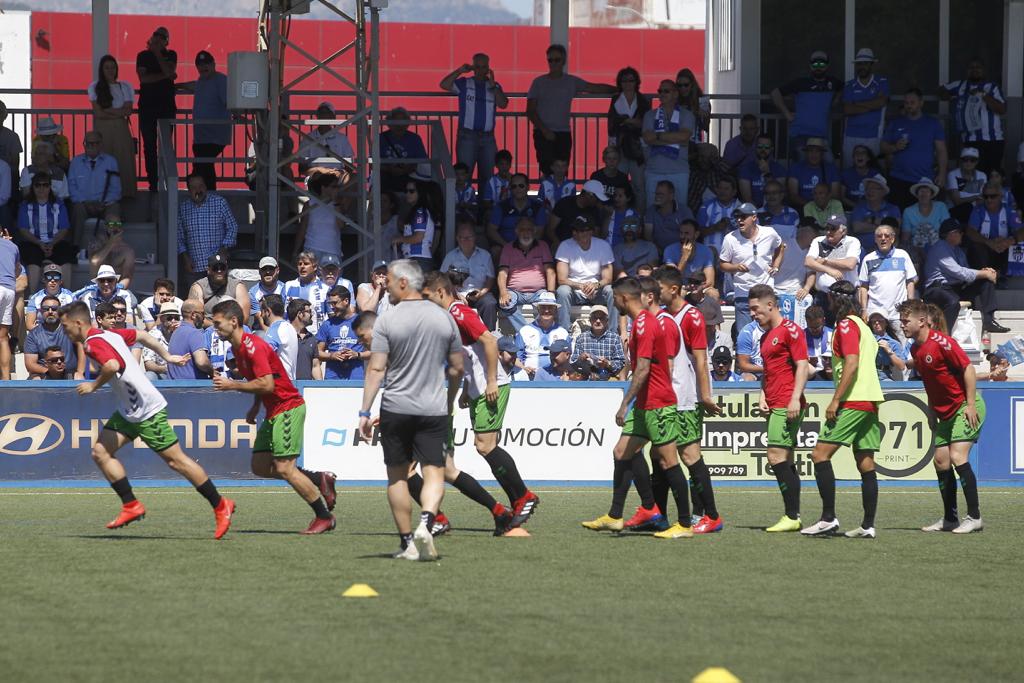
{"x": 554, "y": 434}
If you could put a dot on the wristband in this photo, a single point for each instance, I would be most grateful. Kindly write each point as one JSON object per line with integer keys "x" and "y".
{"x": 364, "y": 413}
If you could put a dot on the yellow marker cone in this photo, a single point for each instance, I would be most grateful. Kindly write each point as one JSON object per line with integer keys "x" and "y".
{"x": 518, "y": 532}
{"x": 359, "y": 590}
{"x": 715, "y": 674}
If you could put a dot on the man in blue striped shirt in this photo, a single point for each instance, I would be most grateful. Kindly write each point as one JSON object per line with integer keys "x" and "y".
{"x": 978, "y": 106}
{"x": 479, "y": 96}
{"x": 206, "y": 226}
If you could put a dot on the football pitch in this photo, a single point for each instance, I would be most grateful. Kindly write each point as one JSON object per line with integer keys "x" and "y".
{"x": 160, "y": 600}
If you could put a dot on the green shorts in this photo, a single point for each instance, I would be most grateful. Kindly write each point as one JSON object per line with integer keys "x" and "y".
{"x": 782, "y": 432}
{"x": 154, "y": 431}
{"x": 281, "y": 435}
{"x": 956, "y": 428}
{"x": 855, "y": 428}
{"x": 691, "y": 426}
{"x": 485, "y": 417}
{"x": 659, "y": 426}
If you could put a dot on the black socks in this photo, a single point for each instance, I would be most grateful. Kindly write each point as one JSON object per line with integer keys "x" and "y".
{"x": 868, "y": 497}
{"x": 700, "y": 482}
{"x": 826, "y": 479}
{"x": 970, "y": 486}
{"x": 209, "y": 492}
{"x": 471, "y": 488}
{"x": 123, "y": 489}
{"x": 320, "y": 508}
{"x": 622, "y": 479}
{"x": 680, "y": 491}
{"x": 947, "y": 489}
{"x": 315, "y": 477}
{"x": 415, "y": 484}
{"x": 642, "y": 480}
{"x": 789, "y": 486}
{"x": 428, "y": 519}
{"x": 659, "y": 485}
{"x": 504, "y": 469}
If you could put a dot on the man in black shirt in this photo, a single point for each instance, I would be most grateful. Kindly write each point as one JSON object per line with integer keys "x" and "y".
{"x": 587, "y": 204}
{"x": 307, "y": 366}
{"x": 156, "y": 67}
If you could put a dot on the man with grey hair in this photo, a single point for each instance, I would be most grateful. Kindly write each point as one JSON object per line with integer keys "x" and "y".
{"x": 413, "y": 344}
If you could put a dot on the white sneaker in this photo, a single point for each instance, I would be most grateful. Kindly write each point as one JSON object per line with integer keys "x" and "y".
{"x": 821, "y": 528}
{"x": 941, "y": 525}
{"x": 410, "y": 553}
{"x": 968, "y": 525}
{"x": 424, "y": 543}
{"x": 861, "y": 532}
{"x": 694, "y": 519}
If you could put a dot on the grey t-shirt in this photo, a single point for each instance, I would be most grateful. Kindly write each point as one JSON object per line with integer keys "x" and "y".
{"x": 9, "y": 257}
{"x": 674, "y": 160}
{"x": 554, "y": 99}
{"x": 418, "y": 337}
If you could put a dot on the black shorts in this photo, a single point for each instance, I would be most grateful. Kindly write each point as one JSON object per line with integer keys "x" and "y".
{"x": 405, "y": 438}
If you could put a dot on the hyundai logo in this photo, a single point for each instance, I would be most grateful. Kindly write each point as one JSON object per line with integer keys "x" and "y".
{"x": 28, "y": 434}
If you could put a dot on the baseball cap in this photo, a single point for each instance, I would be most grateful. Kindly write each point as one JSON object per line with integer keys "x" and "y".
{"x": 268, "y": 262}
{"x": 328, "y": 260}
{"x": 865, "y": 54}
{"x": 559, "y": 346}
{"x": 507, "y": 344}
{"x": 836, "y": 220}
{"x": 596, "y": 188}
{"x": 745, "y": 209}
{"x": 819, "y": 56}
{"x": 162, "y": 31}
{"x": 51, "y": 268}
{"x": 204, "y": 57}
{"x": 582, "y": 367}
{"x": 216, "y": 259}
{"x": 948, "y": 226}
{"x": 582, "y": 223}
{"x": 458, "y": 268}
{"x": 969, "y": 153}
{"x": 170, "y": 307}
{"x": 721, "y": 353}
{"x": 598, "y": 309}
{"x": 377, "y": 265}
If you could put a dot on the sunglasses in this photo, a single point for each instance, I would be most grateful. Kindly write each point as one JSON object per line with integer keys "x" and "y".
{"x": 764, "y": 146}
{"x": 819, "y": 64}
{"x": 55, "y": 360}
{"x": 268, "y": 269}
{"x": 120, "y": 311}
{"x": 517, "y": 185}
{"x": 665, "y": 91}
{"x": 968, "y": 160}
{"x": 53, "y": 277}
{"x": 411, "y": 191}
{"x": 599, "y": 316}
{"x": 554, "y": 60}
{"x": 106, "y": 280}
{"x": 722, "y": 361}
{"x": 219, "y": 269}
{"x": 170, "y": 316}
{"x": 991, "y": 196}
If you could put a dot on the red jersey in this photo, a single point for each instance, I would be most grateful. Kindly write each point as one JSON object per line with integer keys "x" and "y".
{"x": 647, "y": 341}
{"x": 781, "y": 348}
{"x": 941, "y": 363}
{"x": 695, "y": 334}
{"x": 846, "y": 342}
{"x": 672, "y": 333}
{"x": 255, "y": 359}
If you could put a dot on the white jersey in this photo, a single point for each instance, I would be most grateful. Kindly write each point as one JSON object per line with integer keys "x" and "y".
{"x": 684, "y": 379}
{"x": 470, "y": 329}
{"x": 138, "y": 399}
{"x": 283, "y": 338}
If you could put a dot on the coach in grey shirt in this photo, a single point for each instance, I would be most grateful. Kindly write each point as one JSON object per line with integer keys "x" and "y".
{"x": 415, "y": 344}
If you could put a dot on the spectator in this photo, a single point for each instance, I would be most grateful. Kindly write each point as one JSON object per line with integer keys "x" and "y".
{"x": 869, "y": 213}
{"x": 887, "y": 277}
{"x": 43, "y": 162}
{"x": 48, "y": 130}
{"x": 741, "y": 150}
{"x": 475, "y": 289}
{"x": 814, "y": 170}
{"x": 269, "y": 283}
{"x": 108, "y": 246}
{"x": 794, "y": 282}
{"x": 417, "y": 239}
{"x": 535, "y": 339}
{"x": 548, "y": 106}
{"x": 53, "y": 285}
{"x": 917, "y": 145}
{"x": 95, "y": 186}
{"x": 600, "y": 347}
{"x": 326, "y": 146}
{"x": 156, "y": 67}
{"x": 891, "y": 359}
{"x": 397, "y": 143}
{"x": 555, "y": 186}
{"x": 465, "y": 195}
{"x": 149, "y": 308}
{"x": 508, "y": 356}
{"x": 814, "y": 96}
{"x": 752, "y": 254}
{"x": 320, "y": 223}
{"x": 704, "y": 176}
{"x": 584, "y": 269}
{"x": 189, "y": 340}
{"x": 10, "y": 265}
{"x": 748, "y": 351}
{"x": 526, "y": 271}
{"x": 610, "y": 175}
{"x": 497, "y": 188}
{"x": 6, "y": 193}
{"x": 105, "y": 290}
{"x": 715, "y": 216}
{"x": 721, "y": 366}
{"x": 307, "y": 286}
{"x": 992, "y": 229}
{"x": 865, "y": 98}
{"x": 833, "y": 256}
{"x": 667, "y": 131}
{"x": 689, "y": 255}
{"x": 633, "y": 252}
{"x": 559, "y": 367}
{"x": 851, "y": 180}
{"x": 622, "y": 211}
{"x": 209, "y": 103}
{"x": 373, "y": 295}
{"x": 586, "y": 205}
{"x": 998, "y": 367}
{"x": 774, "y": 212}
{"x": 206, "y": 227}
{"x": 330, "y": 277}
{"x": 978, "y": 108}
{"x": 44, "y": 231}
{"x": 625, "y": 124}
{"x": 280, "y": 334}
{"x": 54, "y": 362}
{"x": 479, "y": 97}
{"x": 506, "y": 214}
{"x": 921, "y": 221}
{"x": 822, "y": 206}
{"x": 663, "y": 218}
{"x": 112, "y": 104}
{"x": 693, "y": 99}
{"x": 758, "y": 171}
{"x": 10, "y": 150}
{"x": 819, "y": 344}
{"x": 218, "y": 285}
{"x": 704, "y": 298}
{"x": 964, "y": 184}
{"x": 997, "y": 176}
{"x": 307, "y": 364}
{"x": 948, "y": 279}
{"x": 168, "y": 319}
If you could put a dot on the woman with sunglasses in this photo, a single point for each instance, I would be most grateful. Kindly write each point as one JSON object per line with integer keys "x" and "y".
{"x": 691, "y": 97}
{"x": 417, "y": 239}
{"x": 625, "y": 124}
{"x": 964, "y": 184}
{"x": 44, "y": 231}
{"x": 112, "y": 104}
{"x": 44, "y": 157}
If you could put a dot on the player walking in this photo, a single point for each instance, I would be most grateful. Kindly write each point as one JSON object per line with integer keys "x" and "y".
{"x": 951, "y": 385}
{"x": 142, "y": 413}
{"x": 784, "y": 358}
{"x": 279, "y": 439}
{"x": 851, "y": 418}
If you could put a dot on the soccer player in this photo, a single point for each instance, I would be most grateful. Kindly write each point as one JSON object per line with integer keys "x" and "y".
{"x": 142, "y": 414}
{"x": 279, "y": 439}
{"x": 851, "y": 418}
{"x": 652, "y": 418}
{"x": 950, "y": 383}
{"x": 485, "y": 392}
{"x": 784, "y": 356}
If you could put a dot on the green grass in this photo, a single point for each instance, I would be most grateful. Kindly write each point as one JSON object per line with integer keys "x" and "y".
{"x": 160, "y": 600}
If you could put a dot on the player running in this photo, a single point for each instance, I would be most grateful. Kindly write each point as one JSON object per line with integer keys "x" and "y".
{"x": 142, "y": 414}
{"x": 279, "y": 439}
{"x": 485, "y": 393}
{"x": 951, "y": 385}
{"x": 851, "y": 418}
{"x": 784, "y": 356}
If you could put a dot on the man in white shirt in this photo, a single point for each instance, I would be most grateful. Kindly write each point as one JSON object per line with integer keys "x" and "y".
{"x": 833, "y": 256}
{"x": 752, "y": 253}
{"x": 887, "y": 277}
{"x": 584, "y": 271}
{"x": 327, "y": 142}
{"x": 794, "y": 282}
{"x": 476, "y": 269}
{"x": 281, "y": 335}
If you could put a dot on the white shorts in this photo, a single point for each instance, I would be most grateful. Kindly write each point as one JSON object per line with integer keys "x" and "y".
{"x": 6, "y": 306}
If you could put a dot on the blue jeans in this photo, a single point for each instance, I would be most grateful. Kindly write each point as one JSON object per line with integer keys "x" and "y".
{"x": 567, "y": 296}
{"x": 680, "y": 181}
{"x": 513, "y": 311}
{"x": 742, "y": 307}
{"x": 476, "y": 148}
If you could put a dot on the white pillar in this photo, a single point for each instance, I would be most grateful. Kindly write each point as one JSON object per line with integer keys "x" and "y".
{"x": 100, "y": 31}
{"x": 560, "y": 24}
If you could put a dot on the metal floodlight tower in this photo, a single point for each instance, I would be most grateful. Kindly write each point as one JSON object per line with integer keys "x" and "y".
{"x": 271, "y": 162}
